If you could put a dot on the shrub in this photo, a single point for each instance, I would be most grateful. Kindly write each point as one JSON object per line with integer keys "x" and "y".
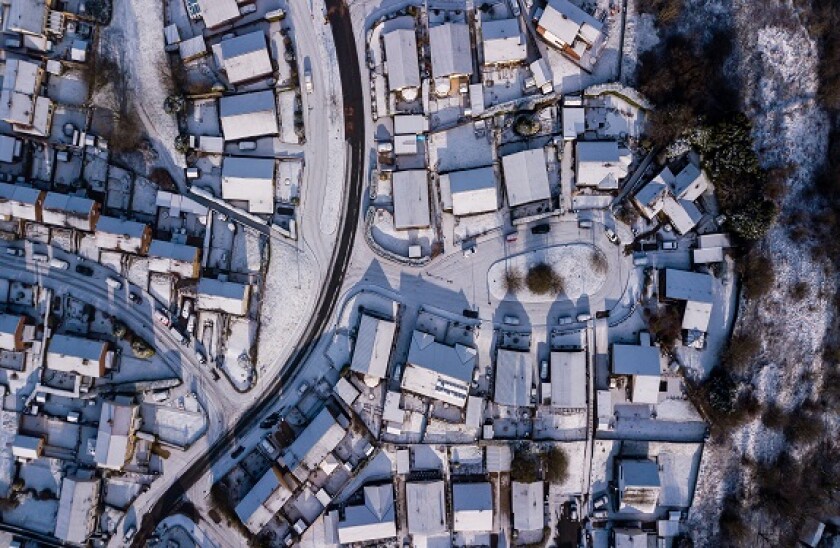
{"x": 740, "y": 351}
{"x": 512, "y": 280}
{"x": 804, "y": 426}
{"x": 525, "y": 466}
{"x": 732, "y": 526}
{"x": 759, "y": 276}
{"x": 598, "y": 262}
{"x": 541, "y": 279}
{"x": 666, "y": 325}
{"x": 799, "y": 291}
{"x": 556, "y": 464}
{"x": 666, "y": 11}
{"x": 774, "y": 417}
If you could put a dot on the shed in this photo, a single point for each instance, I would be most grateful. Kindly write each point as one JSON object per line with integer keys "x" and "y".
{"x": 411, "y": 199}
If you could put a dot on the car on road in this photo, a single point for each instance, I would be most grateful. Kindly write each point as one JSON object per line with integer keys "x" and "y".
{"x": 15, "y": 252}
{"x": 129, "y": 534}
{"x": 510, "y": 320}
{"x": 162, "y": 318}
{"x": 59, "y": 264}
{"x": 612, "y": 236}
{"x": 307, "y": 79}
{"x": 135, "y": 298}
{"x": 601, "y": 502}
{"x": 469, "y": 251}
{"x": 84, "y": 270}
{"x": 669, "y": 245}
{"x": 544, "y": 228}
{"x": 268, "y": 447}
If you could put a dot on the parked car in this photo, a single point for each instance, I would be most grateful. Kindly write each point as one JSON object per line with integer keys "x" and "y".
{"x": 584, "y": 223}
{"x": 669, "y": 245}
{"x": 541, "y": 229}
{"x": 84, "y": 270}
{"x": 573, "y": 514}
{"x": 584, "y": 317}
{"x": 307, "y": 79}
{"x": 612, "y": 236}
{"x": 469, "y": 251}
{"x": 601, "y": 502}
{"x": 236, "y": 452}
{"x": 15, "y": 252}
{"x": 512, "y": 237}
{"x": 511, "y": 320}
{"x": 544, "y": 370}
{"x": 129, "y": 534}
{"x": 564, "y": 320}
{"x": 163, "y": 318}
{"x": 135, "y": 298}
{"x": 40, "y": 258}
{"x": 268, "y": 447}
{"x": 471, "y": 313}
{"x": 600, "y": 514}
{"x": 113, "y": 283}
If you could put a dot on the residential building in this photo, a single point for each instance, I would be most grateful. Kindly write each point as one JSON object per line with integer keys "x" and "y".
{"x": 472, "y": 507}
{"x": 20, "y": 102}
{"x": 248, "y": 115}
{"x": 695, "y": 289}
{"x": 569, "y": 28}
{"x": 312, "y": 446}
{"x": 470, "y": 191}
{"x": 504, "y": 43}
{"x": 250, "y": 180}
{"x": 372, "y": 352}
{"x": 216, "y": 13}
{"x": 411, "y": 199}
{"x": 123, "y": 235}
{"x": 27, "y": 448}
{"x": 115, "y": 440}
{"x": 228, "y": 297}
{"x": 438, "y": 371}
{"x": 77, "y": 355}
{"x": 371, "y": 521}
{"x": 674, "y": 195}
{"x": 20, "y": 202}
{"x": 574, "y": 119}
{"x": 78, "y": 509}
{"x": 244, "y": 58}
{"x": 264, "y": 500}
{"x": 401, "y": 58}
{"x": 601, "y": 164}
{"x": 526, "y": 177}
{"x": 27, "y": 17}
{"x": 638, "y": 485}
{"x": 425, "y": 508}
{"x": 451, "y": 50}
{"x": 174, "y": 258}
{"x": 642, "y": 364}
{"x": 528, "y": 510}
{"x": 514, "y": 378}
{"x": 11, "y": 332}
{"x": 568, "y": 380}
{"x": 69, "y": 211}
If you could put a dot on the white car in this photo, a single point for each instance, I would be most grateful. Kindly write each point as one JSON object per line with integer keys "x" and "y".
{"x": 510, "y": 320}
{"x": 612, "y": 236}
{"x": 469, "y": 251}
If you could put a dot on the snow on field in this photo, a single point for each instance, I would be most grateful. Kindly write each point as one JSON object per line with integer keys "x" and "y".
{"x": 237, "y": 364}
{"x": 289, "y": 293}
{"x": 573, "y": 263}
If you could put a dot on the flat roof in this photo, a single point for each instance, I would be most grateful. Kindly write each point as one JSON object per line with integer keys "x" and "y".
{"x": 683, "y": 285}
{"x": 568, "y": 380}
{"x": 451, "y": 50}
{"x": 217, "y": 12}
{"x": 472, "y": 190}
{"x": 411, "y": 199}
{"x": 374, "y": 339}
{"x": 425, "y": 507}
{"x": 245, "y": 57}
{"x": 632, "y": 359}
{"x": 174, "y": 251}
{"x": 121, "y": 227}
{"x": 514, "y": 377}
{"x": 401, "y": 56}
{"x": 697, "y": 316}
{"x": 503, "y": 41}
{"x": 248, "y": 115}
{"x": 472, "y": 506}
{"x": 249, "y": 180}
{"x": 527, "y": 507}
{"x": 526, "y": 177}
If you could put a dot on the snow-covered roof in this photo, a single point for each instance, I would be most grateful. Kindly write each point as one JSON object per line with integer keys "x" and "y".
{"x": 425, "y": 508}
{"x": 21, "y": 76}
{"x": 248, "y": 115}
{"x": 437, "y": 370}
{"x": 682, "y": 214}
{"x": 373, "y": 347}
{"x": 632, "y": 359}
{"x": 472, "y": 507}
{"x": 245, "y": 57}
{"x": 113, "y": 441}
{"x": 690, "y": 183}
{"x": 249, "y": 180}
{"x": 77, "y": 509}
{"x": 707, "y": 255}
{"x": 568, "y": 380}
{"x": 70, "y": 211}
{"x": 316, "y": 441}
{"x": 218, "y": 12}
{"x": 178, "y": 203}
{"x": 401, "y": 57}
{"x": 601, "y": 164}
{"x": 405, "y": 124}
{"x": 27, "y": 447}
{"x": 697, "y": 316}
{"x": 713, "y": 240}
{"x": 8, "y": 144}
{"x": 514, "y": 377}
{"x": 471, "y": 191}
{"x": 173, "y": 251}
{"x": 11, "y": 331}
{"x": 373, "y": 520}
{"x": 541, "y": 71}
{"x": 564, "y": 23}
{"x": 451, "y": 51}
{"x": 526, "y": 177}
{"x": 192, "y": 48}
{"x": 682, "y": 285}
{"x": 638, "y": 485}
{"x": 27, "y": 16}
{"x": 503, "y": 42}
{"x": 527, "y": 507}
{"x": 411, "y": 199}
{"x": 650, "y": 197}
{"x": 252, "y": 510}
{"x": 77, "y": 355}
{"x": 574, "y": 122}
{"x": 122, "y": 235}
{"x": 40, "y": 121}
{"x": 630, "y": 538}
{"x": 229, "y": 297}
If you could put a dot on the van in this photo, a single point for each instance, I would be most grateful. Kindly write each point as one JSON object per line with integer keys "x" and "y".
{"x": 40, "y": 258}
{"x": 247, "y": 145}
{"x": 59, "y": 264}
{"x": 113, "y": 283}
{"x": 15, "y": 252}
{"x": 307, "y": 79}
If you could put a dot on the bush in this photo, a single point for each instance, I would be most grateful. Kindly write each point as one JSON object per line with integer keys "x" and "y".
{"x": 732, "y": 526}
{"x": 740, "y": 351}
{"x": 541, "y": 279}
{"x": 758, "y": 274}
{"x": 525, "y": 466}
{"x": 512, "y": 280}
{"x": 666, "y": 11}
{"x": 598, "y": 262}
{"x": 799, "y": 291}
{"x": 666, "y": 325}
{"x": 804, "y": 426}
{"x": 556, "y": 464}
{"x": 774, "y": 417}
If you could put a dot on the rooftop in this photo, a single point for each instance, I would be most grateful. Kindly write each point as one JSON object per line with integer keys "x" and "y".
{"x": 451, "y": 51}
{"x": 514, "y": 378}
{"x": 401, "y": 55}
{"x": 425, "y": 508}
{"x": 248, "y": 115}
{"x": 503, "y": 42}
{"x": 245, "y": 57}
{"x": 526, "y": 178}
{"x": 374, "y": 340}
{"x": 373, "y": 520}
{"x": 472, "y": 506}
{"x": 411, "y": 199}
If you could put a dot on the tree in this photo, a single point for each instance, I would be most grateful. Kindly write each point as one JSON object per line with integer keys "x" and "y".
{"x": 556, "y": 464}
{"x": 526, "y": 126}
{"x": 525, "y": 466}
{"x": 542, "y": 280}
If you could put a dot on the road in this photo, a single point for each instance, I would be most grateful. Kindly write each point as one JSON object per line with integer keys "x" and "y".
{"x": 355, "y": 136}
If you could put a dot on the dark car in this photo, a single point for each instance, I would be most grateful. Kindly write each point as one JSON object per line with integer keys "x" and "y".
{"x": 541, "y": 229}
{"x": 471, "y": 313}
{"x": 236, "y": 452}
{"x": 135, "y": 298}
{"x": 271, "y": 420}
{"x": 84, "y": 270}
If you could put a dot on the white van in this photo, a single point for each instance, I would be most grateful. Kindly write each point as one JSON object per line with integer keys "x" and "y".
{"x": 59, "y": 264}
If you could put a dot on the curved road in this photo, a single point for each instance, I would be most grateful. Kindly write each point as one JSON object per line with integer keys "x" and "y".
{"x": 354, "y": 131}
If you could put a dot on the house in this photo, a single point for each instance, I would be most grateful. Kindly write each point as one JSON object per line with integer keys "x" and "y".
{"x": 638, "y": 485}
{"x": 695, "y": 289}
{"x": 401, "y": 59}
{"x": 371, "y": 521}
{"x": 123, "y": 235}
{"x": 569, "y": 28}
{"x": 250, "y": 180}
{"x": 710, "y": 248}
{"x": 682, "y": 214}
{"x": 503, "y": 42}
{"x": 643, "y": 365}
{"x": 527, "y": 507}
{"x": 690, "y": 183}
{"x": 264, "y": 500}
{"x": 451, "y": 50}
{"x": 20, "y": 102}
{"x": 76, "y": 355}
{"x": 312, "y": 446}
{"x": 216, "y": 13}
{"x": 248, "y": 115}
{"x": 69, "y": 211}
{"x": 78, "y": 509}
{"x": 27, "y": 17}
{"x": 438, "y": 371}
{"x": 20, "y": 202}
{"x": 174, "y": 258}
{"x": 411, "y": 199}
{"x": 26, "y": 448}
{"x": 11, "y": 332}
{"x": 650, "y": 198}
{"x": 542, "y": 75}
{"x": 601, "y": 164}
{"x": 228, "y": 297}
{"x": 244, "y": 58}
{"x": 526, "y": 177}
{"x": 425, "y": 508}
{"x": 568, "y": 380}
{"x": 470, "y": 191}
{"x": 472, "y": 507}
{"x": 115, "y": 438}
{"x": 674, "y": 196}
{"x": 514, "y": 378}
{"x": 371, "y": 355}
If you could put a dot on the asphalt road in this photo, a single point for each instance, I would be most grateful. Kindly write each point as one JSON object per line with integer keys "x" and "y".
{"x": 354, "y": 131}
